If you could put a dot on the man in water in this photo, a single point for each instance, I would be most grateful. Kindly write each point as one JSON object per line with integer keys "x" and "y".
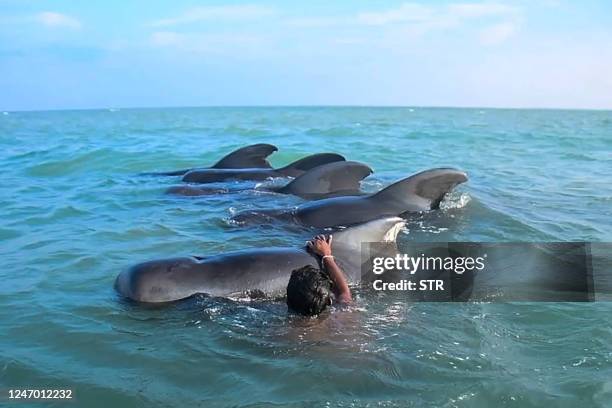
{"x": 310, "y": 290}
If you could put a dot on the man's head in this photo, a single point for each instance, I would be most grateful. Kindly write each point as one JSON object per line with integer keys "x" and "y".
{"x": 309, "y": 291}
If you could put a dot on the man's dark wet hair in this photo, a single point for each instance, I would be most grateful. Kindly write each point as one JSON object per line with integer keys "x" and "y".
{"x": 309, "y": 291}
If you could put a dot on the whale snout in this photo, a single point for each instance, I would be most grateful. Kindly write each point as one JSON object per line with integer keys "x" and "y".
{"x": 154, "y": 281}
{"x": 130, "y": 283}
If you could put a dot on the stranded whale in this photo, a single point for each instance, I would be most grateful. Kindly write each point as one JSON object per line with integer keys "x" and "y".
{"x": 297, "y": 168}
{"x": 420, "y": 192}
{"x": 328, "y": 180}
{"x": 248, "y": 157}
{"x": 265, "y": 270}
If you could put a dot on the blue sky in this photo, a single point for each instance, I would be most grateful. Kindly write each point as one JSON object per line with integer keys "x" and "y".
{"x": 69, "y": 54}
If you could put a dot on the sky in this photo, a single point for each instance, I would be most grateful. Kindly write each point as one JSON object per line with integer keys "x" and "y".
{"x": 114, "y": 53}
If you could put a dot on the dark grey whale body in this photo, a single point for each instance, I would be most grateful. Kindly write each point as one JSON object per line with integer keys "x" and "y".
{"x": 335, "y": 179}
{"x": 266, "y": 270}
{"x": 248, "y": 157}
{"x": 294, "y": 169}
{"x": 222, "y": 275}
{"x": 420, "y": 192}
{"x": 330, "y": 180}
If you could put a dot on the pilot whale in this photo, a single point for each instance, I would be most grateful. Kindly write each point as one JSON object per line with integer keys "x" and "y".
{"x": 297, "y": 168}
{"x": 248, "y": 157}
{"x": 264, "y": 270}
{"x": 328, "y": 180}
{"x": 420, "y": 192}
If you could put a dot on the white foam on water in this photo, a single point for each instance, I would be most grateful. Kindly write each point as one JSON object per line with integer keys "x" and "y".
{"x": 455, "y": 200}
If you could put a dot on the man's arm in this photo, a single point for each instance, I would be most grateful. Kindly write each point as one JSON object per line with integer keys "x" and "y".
{"x": 343, "y": 292}
{"x": 321, "y": 246}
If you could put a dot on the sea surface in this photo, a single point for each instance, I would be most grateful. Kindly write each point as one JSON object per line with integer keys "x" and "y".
{"x": 76, "y": 210}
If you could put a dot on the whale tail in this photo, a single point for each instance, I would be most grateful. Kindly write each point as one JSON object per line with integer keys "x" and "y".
{"x": 248, "y": 157}
{"x": 299, "y": 167}
{"x": 420, "y": 192}
{"x": 337, "y": 177}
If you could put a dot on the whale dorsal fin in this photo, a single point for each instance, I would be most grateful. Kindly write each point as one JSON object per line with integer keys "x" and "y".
{"x": 299, "y": 167}
{"x": 349, "y": 251}
{"x": 328, "y": 178}
{"x": 379, "y": 230}
{"x": 422, "y": 191}
{"x": 253, "y": 156}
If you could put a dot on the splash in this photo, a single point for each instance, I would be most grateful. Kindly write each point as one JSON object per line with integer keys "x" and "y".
{"x": 455, "y": 200}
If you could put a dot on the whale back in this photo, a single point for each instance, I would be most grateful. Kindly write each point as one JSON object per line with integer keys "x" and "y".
{"x": 420, "y": 192}
{"x": 342, "y": 178}
{"x": 299, "y": 167}
{"x": 265, "y": 270}
{"x": 221, "y": 175}
{"x": 294, "y": 169}
{"x": 253, "y": 156}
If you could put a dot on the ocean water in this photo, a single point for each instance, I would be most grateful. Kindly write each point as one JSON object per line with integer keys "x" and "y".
{"x": 76, "y": 211}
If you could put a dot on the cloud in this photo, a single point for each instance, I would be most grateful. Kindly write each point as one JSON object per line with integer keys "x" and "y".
{"x": 215, "y": 13}
{"x": 417, "y": 19}
{"x": 407, "y": 12}
{"x": 497, "y": 33}
{"x": 207, "y": 43}
{"x": 167, "y": 38}
{"x": 316, "y": 22}
{"x": 478, "y": 10}
{"x": 390, "y": 28}
{"x": 53, "y": 19}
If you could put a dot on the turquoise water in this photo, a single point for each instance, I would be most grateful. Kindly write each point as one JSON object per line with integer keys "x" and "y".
{"x": 75, "y": 211}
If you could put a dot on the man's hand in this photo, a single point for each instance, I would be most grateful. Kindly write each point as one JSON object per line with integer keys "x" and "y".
{"x": 321, "y": 245}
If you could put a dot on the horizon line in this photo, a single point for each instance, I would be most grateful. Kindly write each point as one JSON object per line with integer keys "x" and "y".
{"x": 119, "y": 108}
